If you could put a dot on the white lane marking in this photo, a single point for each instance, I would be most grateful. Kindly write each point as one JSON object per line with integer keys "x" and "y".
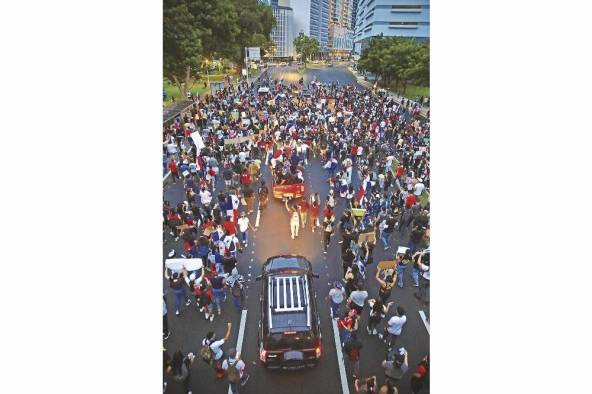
{"x": 166, "y": 176}
{"x": 241, "y": 335}
{"x": 241, "y": 331}
{"x": 257, "y": 219}
{"x": 425, "y": 320}
{"x": 340, "y": 363}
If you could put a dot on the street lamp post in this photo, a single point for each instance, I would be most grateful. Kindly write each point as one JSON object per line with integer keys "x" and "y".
{"x": 247, "y": 63}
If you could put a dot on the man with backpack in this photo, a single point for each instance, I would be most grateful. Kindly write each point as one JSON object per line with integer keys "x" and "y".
{"x": 236, "y": 289}
{"x": 235, "y": 370}
{"x": 211, "y": 351}
{"x": 395, "y": 365}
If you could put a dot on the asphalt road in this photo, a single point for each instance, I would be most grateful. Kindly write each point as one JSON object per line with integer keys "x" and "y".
{"x": 273, "y": 238}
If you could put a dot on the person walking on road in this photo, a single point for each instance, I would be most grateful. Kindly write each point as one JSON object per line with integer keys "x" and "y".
{"x": 243, "y": 225}
{"x": 386, "y": 286}
{"x": 212, "y": 350}
{"x": 181, "y": 369}
{"x": 174, "y": 170}
{"x": 165, "y": 320}
{"x": 396, "y": 365}
{"x": 303, "y": 211}
{"x": 347, "y": 326}
{"x": 352, "y": 350}
{"x": 205, "y": 299}
{"x": 314, "y": 215}
{"x": 357, "y": 298}
{"x": 177, "y": 284}
{"x": 263, "y": 195}
{"x": 423, "y": 280}
{"x": 337, "y": 295}
{"x": 378, "y": 311}
{"x": 235, "y": 370}
{"x": 402, "y": 264}
{"x": 218, "y": 288}
{"x": 236, "y": 289}
{"x": 327, "y": 232}
{"x": 419, "y": 379}
{"x": 386, "y": 229}
{"x": 294, "y": 220}
{"x": 394, "y": 328}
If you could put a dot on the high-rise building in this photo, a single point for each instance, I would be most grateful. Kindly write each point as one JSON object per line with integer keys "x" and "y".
{"x": 340, "y": 32}
{"x": 354, "y": 11}
{"x": 405, "y": 18}
{"x": 302, "y": 16}
{"x": 283, "y": 32}
{"x": 319, "y": 22}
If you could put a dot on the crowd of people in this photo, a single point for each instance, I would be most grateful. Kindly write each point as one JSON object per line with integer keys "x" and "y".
{"x": 375, "y": 153}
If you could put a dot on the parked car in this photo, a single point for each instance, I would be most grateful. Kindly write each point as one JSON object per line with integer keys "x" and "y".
{"x": 289, "y": 335}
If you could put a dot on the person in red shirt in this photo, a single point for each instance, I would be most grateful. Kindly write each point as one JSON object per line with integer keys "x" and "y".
{"x": 229, "y": 226}
{"x": 327, "y": 212}
{"x": 174, "y": 220}
{"x": 303, "y": 211}
{"x": 410, "y": 200}
{"x": 419, "y": 378}
{"x": 400, "y": 171}
{"x": 174, "y": 170}
{"x": 245, "y": 180}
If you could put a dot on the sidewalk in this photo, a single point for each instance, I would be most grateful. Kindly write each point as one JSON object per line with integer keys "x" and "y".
{"x": 369, "y": 85}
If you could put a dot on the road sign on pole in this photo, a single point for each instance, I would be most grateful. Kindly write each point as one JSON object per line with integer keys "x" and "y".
{"x": 254, "y": 53}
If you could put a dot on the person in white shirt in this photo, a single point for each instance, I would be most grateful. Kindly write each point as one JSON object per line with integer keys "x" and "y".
{"x": 231, "y": 244}
{"x": 357, "y": 299}
{"x": 337, "y": 295}
{"x": 242, "y": 156}
{"x": 216, "y": 346}
{"x": 294, "y": 220}
{"x": 419, "y": 187}
{"x": 243, "y": 225}
{"x": 394, "y": 327}
{"x": 205, "y": 196}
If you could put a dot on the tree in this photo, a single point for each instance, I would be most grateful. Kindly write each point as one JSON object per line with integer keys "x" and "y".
{"x": 255, "y": 22}
{"x": 198, "y": 29}
{"x": 397, "y": 59}
{"x": 306, "y": 46}
{"x": 182, "y": 44}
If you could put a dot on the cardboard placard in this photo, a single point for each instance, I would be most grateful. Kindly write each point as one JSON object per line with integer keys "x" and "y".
{"x": 367, "y": 237}
{"x": 237, "y": 140}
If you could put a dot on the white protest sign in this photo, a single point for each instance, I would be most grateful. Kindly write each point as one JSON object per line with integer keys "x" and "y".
{"x": 198, "y": 141}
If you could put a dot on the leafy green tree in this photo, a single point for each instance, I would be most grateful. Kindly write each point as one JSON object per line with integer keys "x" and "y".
{"x": 397, "y": 60}
{"x": 182, "y": 44}
{"x": 306, "y": 46}
{"x": 255, "y": 22}
{"x": 194, "y": 30}
{"x": 218, "y": 21}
